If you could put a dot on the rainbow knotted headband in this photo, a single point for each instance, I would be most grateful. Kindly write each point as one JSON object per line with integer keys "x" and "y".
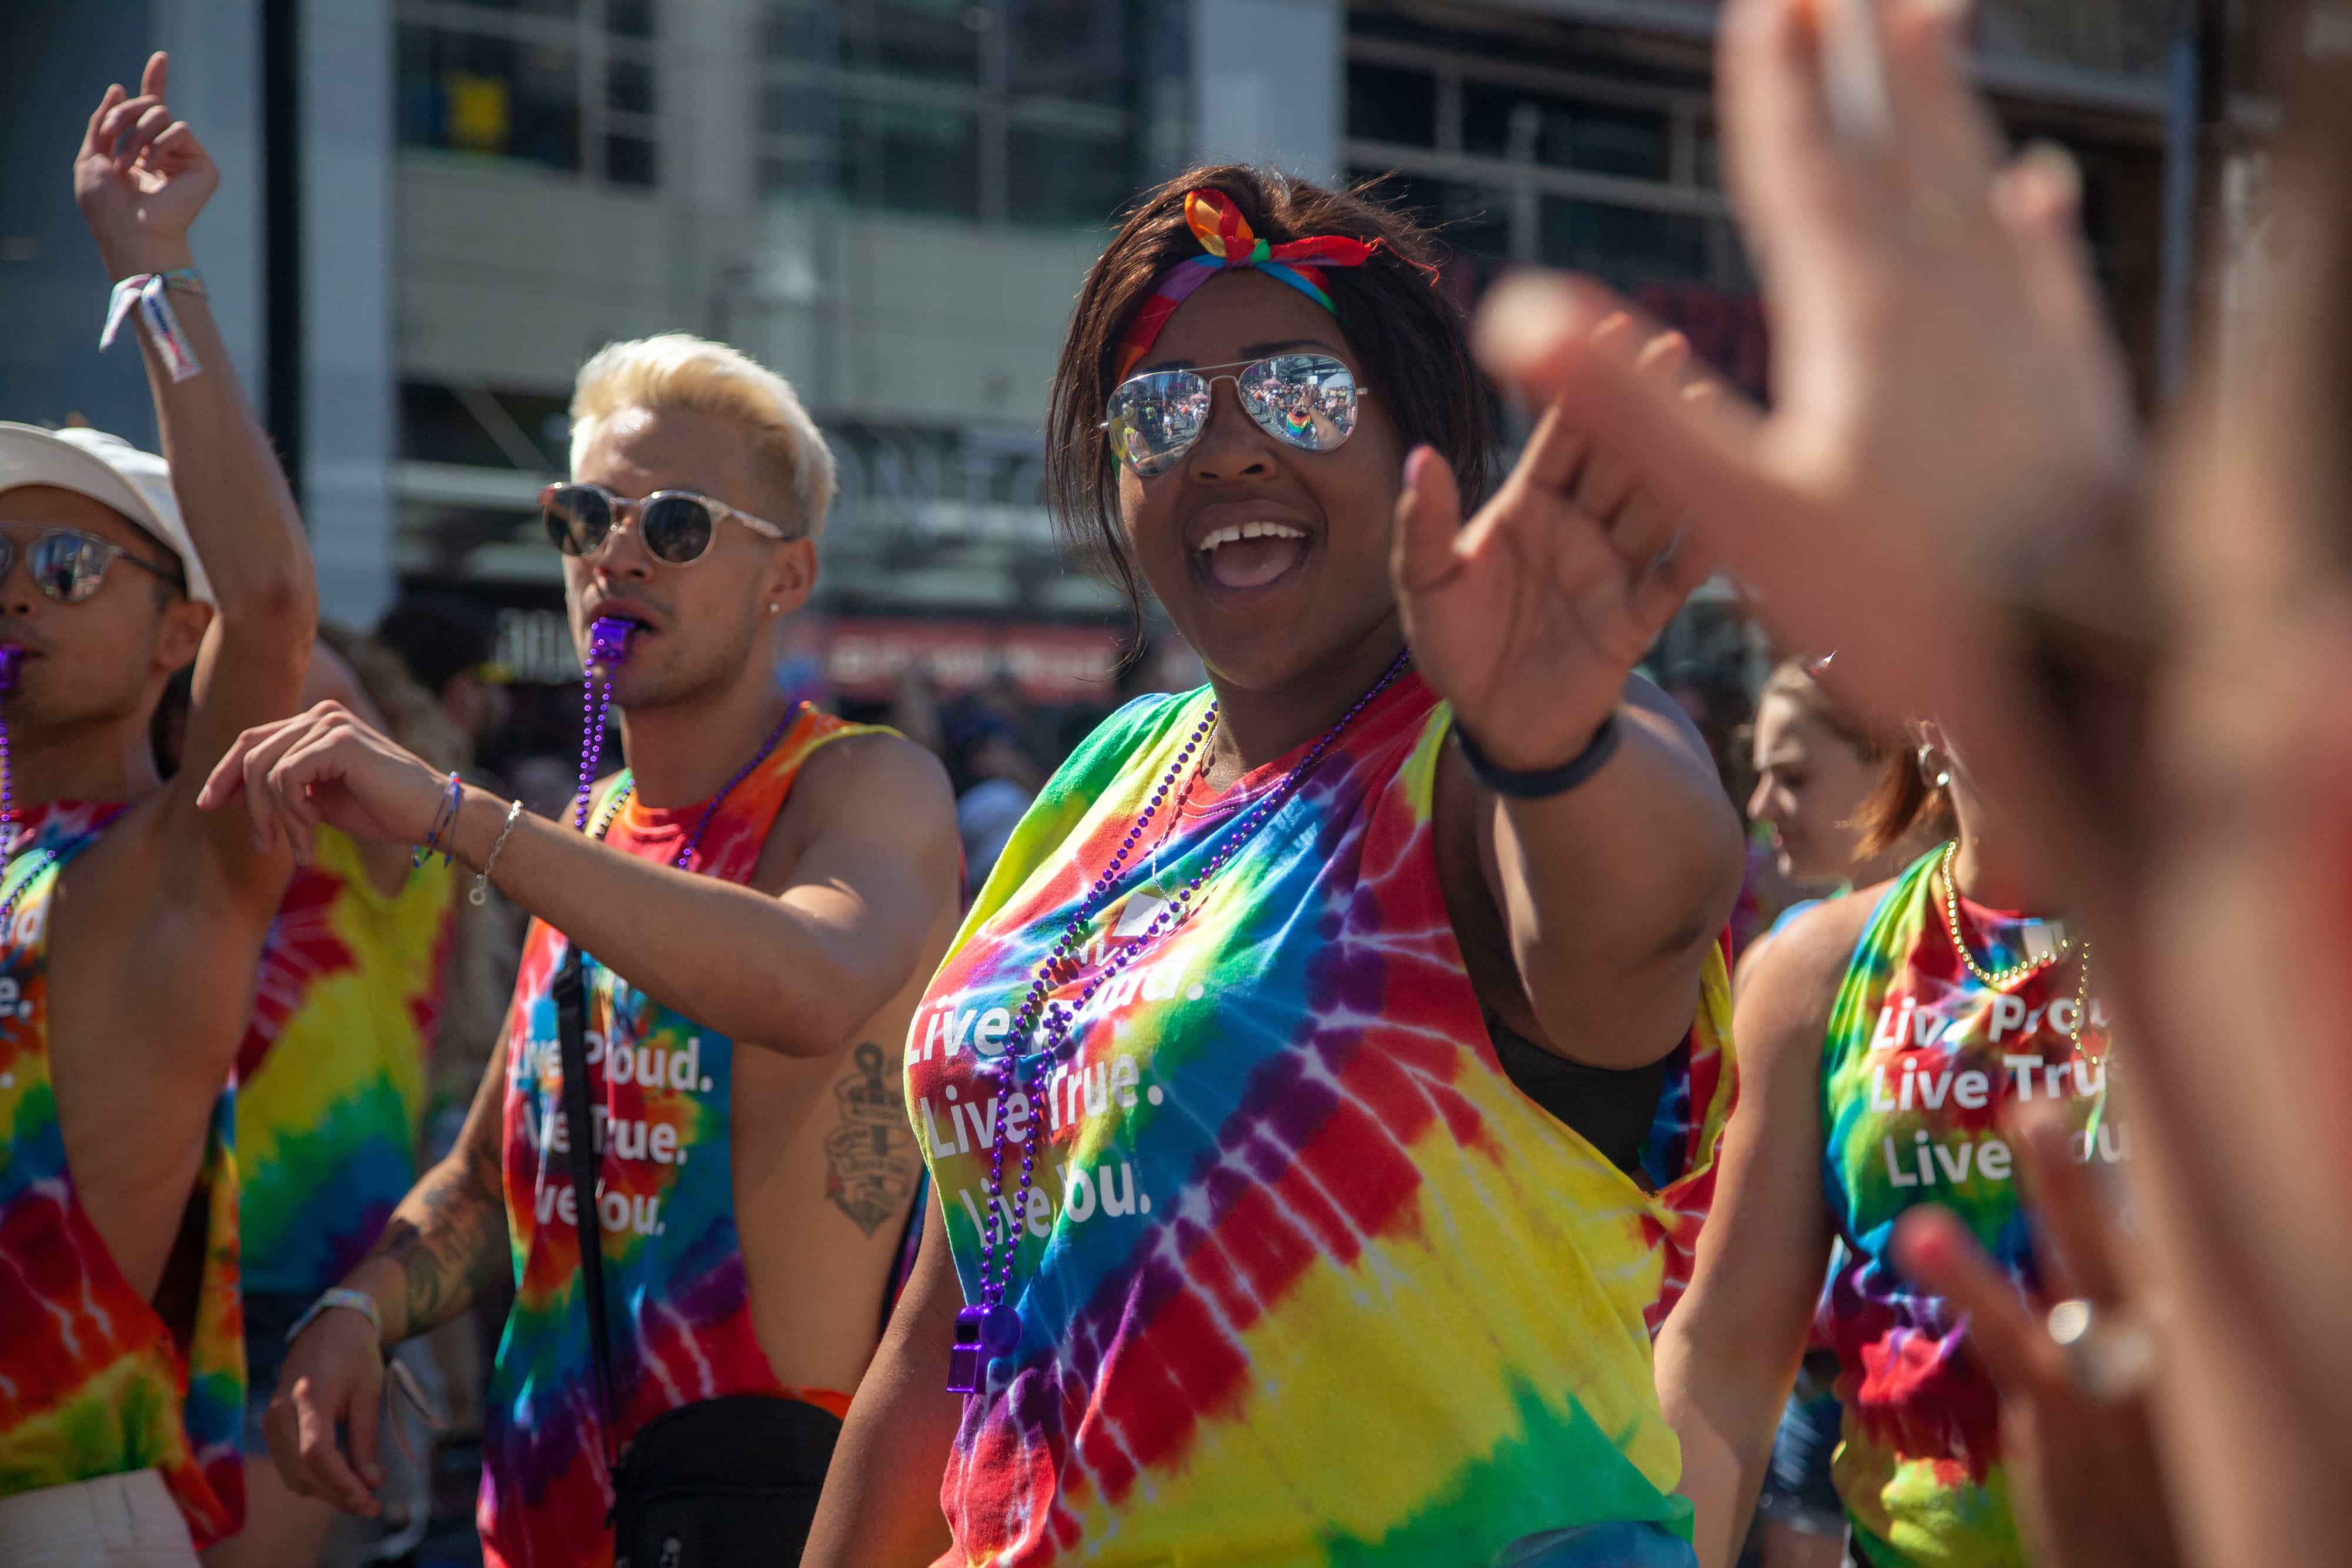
{"x": 1227, "y": 240}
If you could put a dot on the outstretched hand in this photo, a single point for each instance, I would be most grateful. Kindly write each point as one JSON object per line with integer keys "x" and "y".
{"x": 2085, "y": 1476}
{"x": 1529, "y": 619}
{"x": 325, "y": 766}
{"x": 140, "y": 176}
{"x": 1944, "y": 387}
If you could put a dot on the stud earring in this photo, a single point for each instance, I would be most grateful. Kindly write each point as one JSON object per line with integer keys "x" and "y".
{"x": 773, "y": 607}
{"x": 1933, "y": 769}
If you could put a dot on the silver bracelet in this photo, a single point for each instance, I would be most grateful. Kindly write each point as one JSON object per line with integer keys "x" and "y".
{"x": 358, "y": 1301}
{"x": 480, "y": 892}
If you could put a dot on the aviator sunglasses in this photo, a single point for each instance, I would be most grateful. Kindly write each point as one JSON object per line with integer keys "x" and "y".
{"x": 676, "y": 525}
{"x": 1308, "y": 401}
{"x": 69, "y": 565}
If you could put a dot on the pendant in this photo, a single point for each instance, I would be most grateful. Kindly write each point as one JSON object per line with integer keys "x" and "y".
{"x": 965, "y": 1362}
{"x": 983, "y": 1335}
{"x": 1141, "y": 910}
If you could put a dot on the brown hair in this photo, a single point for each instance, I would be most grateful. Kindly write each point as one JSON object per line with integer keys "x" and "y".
{"x": 1408, "y": 332}
{"x": 1793, "y": 679}
{"x": 1903, "y": 799}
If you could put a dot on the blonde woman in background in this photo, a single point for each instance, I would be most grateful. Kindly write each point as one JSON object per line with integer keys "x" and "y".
{"x": 1817, "y": 767}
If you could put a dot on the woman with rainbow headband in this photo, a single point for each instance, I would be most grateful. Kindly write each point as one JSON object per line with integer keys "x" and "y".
{"x": 1322, "y": 1095}
{"x": 1891, "y": 1040}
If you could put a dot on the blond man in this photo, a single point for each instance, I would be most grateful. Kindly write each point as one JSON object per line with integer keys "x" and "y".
{"x": 755, "y": 902}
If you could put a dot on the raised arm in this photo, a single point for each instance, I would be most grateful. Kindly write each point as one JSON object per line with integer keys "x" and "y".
{"x": 141, "y": 178}
{"x": 1728, "y": 1352}
{"x": 1611, "y": 878}
{"x": 834, "y": 927}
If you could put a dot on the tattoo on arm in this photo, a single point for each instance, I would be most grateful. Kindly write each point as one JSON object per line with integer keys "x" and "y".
{"x": 869, "y": 1156}
{"x": 449, "y": 1237}
{"x": 449, "y": 1234}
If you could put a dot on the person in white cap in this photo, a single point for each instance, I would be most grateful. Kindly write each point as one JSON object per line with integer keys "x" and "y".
{"x": 131, "y": 921}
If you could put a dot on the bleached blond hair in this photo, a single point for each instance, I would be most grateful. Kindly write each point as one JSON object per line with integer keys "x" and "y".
{"x": 679, "y": 371}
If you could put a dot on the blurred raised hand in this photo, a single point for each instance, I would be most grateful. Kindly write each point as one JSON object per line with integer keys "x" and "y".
{"x": 2085, "y": 1475}
{"x": 1946, "y": 390}
{"x": 1529, "y": 618}
{"x": 141, "y": 177}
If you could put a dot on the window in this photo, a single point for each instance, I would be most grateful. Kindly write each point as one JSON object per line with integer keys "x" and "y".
{"x": 1523, "y": 127}
{"x": 1389, "y": 105}
{"x": 938, "y": 40}
{"x": 987, "y": 110}
{"x": 909, "y": 157}
{"x": 1624, "y": 246}
{"x": 1608, "y": 172}
{"x": 1470, "y": 220}
{"x": 1068, "y": 178}
{"x": 565, "y": 84}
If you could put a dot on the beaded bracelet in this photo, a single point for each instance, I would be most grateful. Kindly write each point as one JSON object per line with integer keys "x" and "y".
{"x": 445, "y": 820}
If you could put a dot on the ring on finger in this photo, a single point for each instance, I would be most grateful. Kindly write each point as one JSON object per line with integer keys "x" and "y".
{"x": 2110, "y": 1354}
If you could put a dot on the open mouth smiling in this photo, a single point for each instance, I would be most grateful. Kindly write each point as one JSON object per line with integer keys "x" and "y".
{"x": 1248, "y": 556}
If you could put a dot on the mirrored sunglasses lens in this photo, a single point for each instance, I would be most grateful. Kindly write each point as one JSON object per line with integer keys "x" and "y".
{"x": 1306, "y": 400}
{"x": 66, "y": 568}
{"x": 677, "y": 529}
{"x": 1155, "y": 419}
{"x": 577, "y": 519}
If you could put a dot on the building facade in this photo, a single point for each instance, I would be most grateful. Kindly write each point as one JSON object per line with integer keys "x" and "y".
{"x": 437, "y": 208}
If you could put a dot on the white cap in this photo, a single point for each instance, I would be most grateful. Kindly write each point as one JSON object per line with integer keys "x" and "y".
{"x": 111, "y": 471}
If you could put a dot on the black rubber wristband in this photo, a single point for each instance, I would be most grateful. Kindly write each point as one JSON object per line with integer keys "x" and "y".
{"x": 1552, "y": 781}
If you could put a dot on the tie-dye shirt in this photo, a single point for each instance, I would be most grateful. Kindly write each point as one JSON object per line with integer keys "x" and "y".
{"x": 93, "y": 1382}
{"x": 1922, "y": 1065}
{"x": 678, "y": 1303}
{"x": 1304, "y": 1278}
{"x": 330, "y": 1079}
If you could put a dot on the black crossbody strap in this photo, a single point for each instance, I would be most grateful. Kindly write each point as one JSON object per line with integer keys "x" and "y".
{"x": 569, "y": 992}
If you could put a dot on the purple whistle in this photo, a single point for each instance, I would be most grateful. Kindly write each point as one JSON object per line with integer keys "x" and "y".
{"x": 608, "y": 640}
{"x": 10, "y": 658}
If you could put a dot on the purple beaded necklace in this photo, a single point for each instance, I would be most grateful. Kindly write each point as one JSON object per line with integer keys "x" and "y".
{"x": 608, "y": 646}
{"x": 694, "y": 840}
{"x": 991, "y": 1327}
{"x": 10, "y": 659}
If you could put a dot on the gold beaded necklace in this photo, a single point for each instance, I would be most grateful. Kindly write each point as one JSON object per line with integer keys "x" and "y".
{"x": 1996, "y": 979}
{"x": 2002, "y": 979}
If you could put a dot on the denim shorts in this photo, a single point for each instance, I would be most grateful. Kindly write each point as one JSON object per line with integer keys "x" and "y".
{"x": 1797, "y": 1490}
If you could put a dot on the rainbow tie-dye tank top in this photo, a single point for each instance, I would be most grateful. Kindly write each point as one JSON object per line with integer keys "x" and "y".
{"x": 1304, "y": 1278}
{"x": 678, "y": 1303}
{"x": 1922, "y": 1065}
{"x": 330, "y": 1079}
{"x": 93, "y": 1382}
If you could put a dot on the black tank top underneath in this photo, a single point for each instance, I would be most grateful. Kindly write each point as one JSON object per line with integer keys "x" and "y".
{"x": 1611, "y": 1109}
